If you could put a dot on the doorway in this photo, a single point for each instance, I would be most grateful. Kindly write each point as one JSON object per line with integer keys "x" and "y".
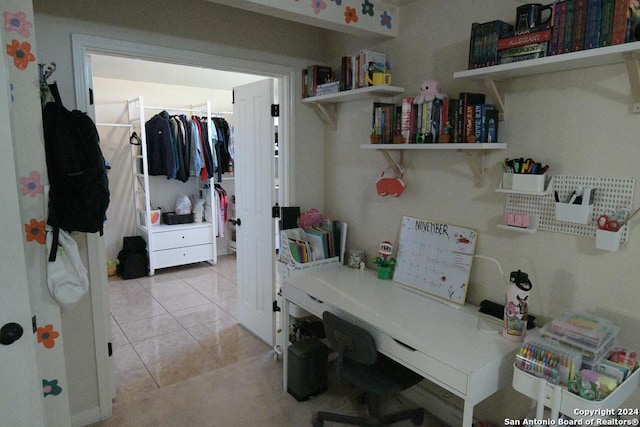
{"x": 86, "y": 46}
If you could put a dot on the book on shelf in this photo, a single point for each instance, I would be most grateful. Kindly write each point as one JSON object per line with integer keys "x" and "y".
{"x": 314, "y": 75}
{"x": 480, "y": 122}
{"x": 606, "y": 23}
{"x": 465, "y": 100}
{"x": 484, "y": 38}
{"x": 491, "y": 127}
{"x": 568, "y": 27}
{"x": 540, "y": 36}
{"x": 579, "y": 24}
{"x": 327, "y": 88}
{"x": 383, "y": 121}
{"x": 354, "y": 69}
{"x": 593, "y": 24}
{"x": 407, "y": 129}
{"x": 523, "y": 53}
{"x": 370, "y": 62}
{"x": 633, "y": 23}
{"x": 557, "y": 30}
{"x": 621, "y": 9}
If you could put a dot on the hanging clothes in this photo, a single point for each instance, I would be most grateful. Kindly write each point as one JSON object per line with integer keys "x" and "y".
{"x": 220, "y": 208}
{"x": 161, "y": 157}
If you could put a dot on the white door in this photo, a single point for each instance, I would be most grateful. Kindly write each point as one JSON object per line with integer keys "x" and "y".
{"x": 255, "y": 195}
{"x": 20, "y": 393}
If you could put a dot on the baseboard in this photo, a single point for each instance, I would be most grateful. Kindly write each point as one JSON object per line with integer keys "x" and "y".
{"x": 85, "y": 418}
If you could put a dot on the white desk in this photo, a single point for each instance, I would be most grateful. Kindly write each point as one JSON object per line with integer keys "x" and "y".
{"x": 442, "y": 343}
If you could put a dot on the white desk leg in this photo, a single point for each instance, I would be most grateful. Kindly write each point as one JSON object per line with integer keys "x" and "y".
{"x": 467, "y": 414}
{"x": 285, "y": 339}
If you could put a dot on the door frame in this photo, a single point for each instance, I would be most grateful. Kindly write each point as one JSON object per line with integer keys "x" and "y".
{"x": 82, "y": 47}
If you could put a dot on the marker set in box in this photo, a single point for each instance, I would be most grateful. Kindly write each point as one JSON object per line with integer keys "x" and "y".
{"x": 546, "y": 359}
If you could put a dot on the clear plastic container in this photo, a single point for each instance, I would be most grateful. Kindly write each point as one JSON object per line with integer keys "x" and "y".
{"x": 546, "y": 358}
{"x": 584, "y": 328}
{"x": 591, "y": 335}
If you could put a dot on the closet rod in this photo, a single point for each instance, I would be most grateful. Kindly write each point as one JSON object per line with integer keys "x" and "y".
{"x": 115, "y": 125}
{"x": 183, "y": 110}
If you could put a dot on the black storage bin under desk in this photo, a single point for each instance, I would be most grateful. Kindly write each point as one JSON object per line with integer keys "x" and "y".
{"x": 307, "y": 371}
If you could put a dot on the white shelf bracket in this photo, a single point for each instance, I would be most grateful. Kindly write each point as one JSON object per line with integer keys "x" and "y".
{"x": 327, "y": 113}
{"x": 393, "y": 165}
{"x": 497, "y": 97}
{"x": 633, "y": 69}
{"x": 474, "y": 159}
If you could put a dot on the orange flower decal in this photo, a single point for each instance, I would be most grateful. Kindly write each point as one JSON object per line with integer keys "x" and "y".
{"x": 350, "y": 15}
{"x": 47, "y": 336}
{"x": 21, "y": 53}
{"x": 35, "y": 231}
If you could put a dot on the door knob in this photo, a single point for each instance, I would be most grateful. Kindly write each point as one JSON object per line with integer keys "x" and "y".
{"x": 10, "y": 333}
{"x": 235, "y": 221}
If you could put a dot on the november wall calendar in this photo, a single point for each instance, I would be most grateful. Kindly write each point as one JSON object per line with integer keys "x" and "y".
{"x": 435, "y": 257}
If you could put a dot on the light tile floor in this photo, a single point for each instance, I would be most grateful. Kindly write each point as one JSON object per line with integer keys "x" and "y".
{"x": 182, "y": 359}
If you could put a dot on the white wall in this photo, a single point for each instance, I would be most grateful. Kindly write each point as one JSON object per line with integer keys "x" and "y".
{"x": 578, "y": 122}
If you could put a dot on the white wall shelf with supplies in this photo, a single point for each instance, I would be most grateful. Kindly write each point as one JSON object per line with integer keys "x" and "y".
{"x": 473, "y": 154}
{"x": 627, "y": 53}
{"x": 325, "y": 105}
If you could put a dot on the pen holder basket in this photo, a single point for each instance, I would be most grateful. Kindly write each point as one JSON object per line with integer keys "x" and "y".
{"x": 568, "y": 212}
{"x": 608, "y": 240}
{"x": 523, "y": 182}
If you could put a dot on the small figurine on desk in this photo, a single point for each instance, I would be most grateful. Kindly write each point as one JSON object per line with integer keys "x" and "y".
{"x": 385, "y": 261}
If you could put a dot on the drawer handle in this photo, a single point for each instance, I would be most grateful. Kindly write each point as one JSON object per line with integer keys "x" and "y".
{"x": 316, "y": 299}
{"x": 405, "y": 345}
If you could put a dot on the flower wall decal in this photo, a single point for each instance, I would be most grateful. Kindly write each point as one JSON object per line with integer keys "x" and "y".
{"x": 318, "y": 5}
{"x": 385, "y": 20}
{"x": 35, "y": 231}
{"x": 31, "y": 185}
{"x": 21, "y": 53}
{"x": 367, "y": 8}
{"x": 47, "y": 336}
{"x": 17, "y": 22}
{"x": 350, "y": 15}
{"x": 51, "y": 388}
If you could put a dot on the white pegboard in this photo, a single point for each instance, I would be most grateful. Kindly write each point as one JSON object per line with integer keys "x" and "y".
{"x": 610, "y": 193}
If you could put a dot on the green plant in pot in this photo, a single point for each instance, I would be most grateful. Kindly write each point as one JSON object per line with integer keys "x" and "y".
{"x": 385, "y": 267}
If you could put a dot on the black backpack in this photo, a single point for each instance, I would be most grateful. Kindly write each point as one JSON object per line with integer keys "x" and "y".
{"x": 79, "y": 187}
{"x": 132, "y": 259}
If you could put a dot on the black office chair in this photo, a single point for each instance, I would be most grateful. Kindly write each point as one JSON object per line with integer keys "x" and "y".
{"x": 360, "y": 364}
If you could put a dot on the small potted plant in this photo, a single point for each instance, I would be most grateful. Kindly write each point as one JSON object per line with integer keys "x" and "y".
{"x": 385, "y": 261}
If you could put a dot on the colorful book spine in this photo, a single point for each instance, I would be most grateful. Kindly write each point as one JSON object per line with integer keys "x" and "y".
{"x": 568, "y": 27}
{"x": 579, "y": 24}
{"x": 619, "y": 27}
{"x": 593, "y": 24}
{"x": 557, "y": 32}
{"x": 606, "y": 23}
{"x": 525, "y": 39}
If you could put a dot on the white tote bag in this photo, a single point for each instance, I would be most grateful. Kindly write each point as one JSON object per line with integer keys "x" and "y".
{"x": 67, "y": 277}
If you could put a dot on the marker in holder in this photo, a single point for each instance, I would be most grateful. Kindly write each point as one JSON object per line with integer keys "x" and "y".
{"x": 547, "y": 359}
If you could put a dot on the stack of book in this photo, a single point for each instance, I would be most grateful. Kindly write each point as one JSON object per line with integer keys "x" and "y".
{"x": 355, "y": 69}
{"x": 520, "y": 47}
{"x": 314, "y": 76}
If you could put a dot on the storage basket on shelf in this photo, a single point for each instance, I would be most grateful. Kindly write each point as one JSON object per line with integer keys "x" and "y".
{"x": 297, "y": 251}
